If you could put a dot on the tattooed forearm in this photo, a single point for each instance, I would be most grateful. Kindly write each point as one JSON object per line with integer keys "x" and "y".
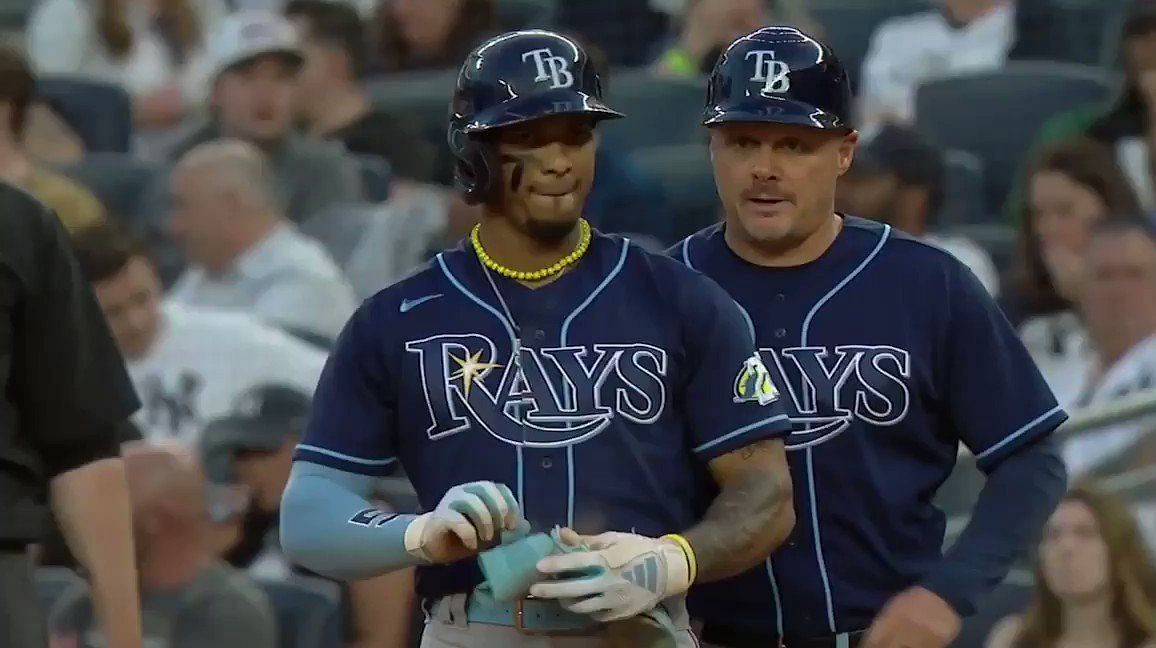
{"x": 751, "y": 516}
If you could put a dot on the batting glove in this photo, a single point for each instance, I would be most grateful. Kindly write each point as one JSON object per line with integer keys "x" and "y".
{"x": 621, "y": 575}
{"x": 467, "y": 517}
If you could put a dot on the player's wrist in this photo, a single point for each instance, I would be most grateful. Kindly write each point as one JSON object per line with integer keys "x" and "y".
{"x": 680, "y": 564}
{"x": 415, "y": 540}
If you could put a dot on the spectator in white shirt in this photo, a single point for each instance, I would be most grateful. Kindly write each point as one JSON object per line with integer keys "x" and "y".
{"x": 154, "y": 49}
{"x": 244, "y": 255}
{"x": 1118, "y": 304}
{"x": 1072, "y": 187}
{"x": 188, "y": 365}
{"x": 898, "y": 178}
{"x": 961, "y": 36}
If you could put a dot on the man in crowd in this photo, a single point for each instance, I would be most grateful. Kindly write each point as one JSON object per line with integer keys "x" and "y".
{"x": 243, "y": 253}
{"x": 898, "y": 178}
{"x": 190, "y": 599}
{"x": 1118, "y": 305}
{"x": 188, "y": 364}
{"x": 331, "y": 101}
{"x": 256, "y": 58}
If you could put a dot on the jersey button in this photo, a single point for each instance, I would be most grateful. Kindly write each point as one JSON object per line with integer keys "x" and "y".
{"x": 539, "y": 335}
{"x": 547, "y": 463}
{"x": 781, "y": 297}
{"x": 781, "y": 333}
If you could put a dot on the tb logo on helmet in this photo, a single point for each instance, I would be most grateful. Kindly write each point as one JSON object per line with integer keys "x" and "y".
{"x": 550, "y": 68}
{"x": 772, "y": 73}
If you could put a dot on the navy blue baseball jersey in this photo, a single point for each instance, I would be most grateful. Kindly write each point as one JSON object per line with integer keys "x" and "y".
{"x": 597, "y": 398}
{"x": 889, "y": 353}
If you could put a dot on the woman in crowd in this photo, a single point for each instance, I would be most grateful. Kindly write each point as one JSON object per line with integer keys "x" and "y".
{"x": 1071, "y": 187}
{"x": 151, "y": 48}
{"x": 415, "y": 35}
{"x": 1094, "y": 581}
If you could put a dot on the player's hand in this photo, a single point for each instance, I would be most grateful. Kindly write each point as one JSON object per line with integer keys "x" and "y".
{"x": 915, "y": 618}
{"x": 601, "y": 582}
{"x": 467, "y": 519}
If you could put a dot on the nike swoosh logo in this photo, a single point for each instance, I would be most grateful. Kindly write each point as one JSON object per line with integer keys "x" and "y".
{"x": 409, "y": 304}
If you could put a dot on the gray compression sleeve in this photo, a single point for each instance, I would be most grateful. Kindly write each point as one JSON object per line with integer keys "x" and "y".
{"x": 329, "y": 527}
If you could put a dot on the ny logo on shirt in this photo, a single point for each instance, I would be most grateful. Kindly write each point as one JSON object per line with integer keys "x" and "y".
{"x": 550, "y": 397}
{"x": 174, "y": 404}
{"x": 830, "y": 389}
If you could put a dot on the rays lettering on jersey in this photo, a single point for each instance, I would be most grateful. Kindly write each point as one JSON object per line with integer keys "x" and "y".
{"x": 830, "y": 388}
{"x": 552, "y": 397}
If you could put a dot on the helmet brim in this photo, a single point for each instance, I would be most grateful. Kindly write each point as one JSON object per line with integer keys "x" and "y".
{"x": 773, "y": 110}
{"x": 519, "y": 110}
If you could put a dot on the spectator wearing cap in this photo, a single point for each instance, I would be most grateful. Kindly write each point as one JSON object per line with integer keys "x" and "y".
{"x": 255, "y": 58}
{"x": 957, "y": 37}
{"x": 189, "y": 598}
{"x": 252, "y": 446}
{"x": 187, "y": 364}
{"x": 1127, "y": 126}
{"x": 154, "y": 50}
{"x": 332, "y": 103}
{"x": 898, "y": 178}
{"x": 244, "y": 255}
{"x": 74, "y": 205}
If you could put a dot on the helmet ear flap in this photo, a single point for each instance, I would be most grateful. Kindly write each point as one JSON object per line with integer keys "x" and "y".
{"x": 477, "y": 172}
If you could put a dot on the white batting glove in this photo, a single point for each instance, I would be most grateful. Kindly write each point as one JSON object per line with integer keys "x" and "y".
{"x": 467, "y": 517}
{"x": 621, "y": 576}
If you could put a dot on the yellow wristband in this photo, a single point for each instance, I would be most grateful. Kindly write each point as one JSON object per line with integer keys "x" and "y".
{"x": 686, "y": 550}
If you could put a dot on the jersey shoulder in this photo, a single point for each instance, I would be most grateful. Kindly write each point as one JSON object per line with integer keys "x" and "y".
{"x": 686, "y": 250}
{"x": 900, "y": 248}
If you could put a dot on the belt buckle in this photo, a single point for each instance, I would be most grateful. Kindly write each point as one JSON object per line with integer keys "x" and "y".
{"x": 520, "y": 619}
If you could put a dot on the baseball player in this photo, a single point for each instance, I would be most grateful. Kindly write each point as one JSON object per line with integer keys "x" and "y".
{"x": 889, "y": 353}
{"x": 544, "y": 371}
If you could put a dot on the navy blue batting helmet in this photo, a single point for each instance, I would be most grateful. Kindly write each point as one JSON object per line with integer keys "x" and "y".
{"x": 510, "y": 79}
{"x": 779, "y": 75}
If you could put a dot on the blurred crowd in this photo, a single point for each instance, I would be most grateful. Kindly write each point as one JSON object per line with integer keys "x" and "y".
{"x": 238, "y": 174}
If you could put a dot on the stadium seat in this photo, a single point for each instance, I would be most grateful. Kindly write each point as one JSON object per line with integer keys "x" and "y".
{"x": 340, "y": 229}
{"x": 308, "y": 612}
{"x": 53, "y": 582}
{"x": 688, "y": 182}
{"x": 99, "y": 112}
{"x": 659, "y": 112}
{"x": 120, "y": 181}
{"x": 963, "y": 190}
{"x": 996, "y": 115}
{"x": 376, "y": 177}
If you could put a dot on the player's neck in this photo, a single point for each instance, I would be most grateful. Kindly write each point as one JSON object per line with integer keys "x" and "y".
{"x": 810, "y": 249}
{"x": 517, "y": 250}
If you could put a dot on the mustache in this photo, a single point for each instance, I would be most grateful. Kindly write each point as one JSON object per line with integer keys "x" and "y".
{"x": 766, "y": 190}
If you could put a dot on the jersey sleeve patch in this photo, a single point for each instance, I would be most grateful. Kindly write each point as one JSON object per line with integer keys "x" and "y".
{"x": 753, "y": 383}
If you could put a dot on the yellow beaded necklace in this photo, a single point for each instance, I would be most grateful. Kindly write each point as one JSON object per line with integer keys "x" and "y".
{"x": 536, "y": 275}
